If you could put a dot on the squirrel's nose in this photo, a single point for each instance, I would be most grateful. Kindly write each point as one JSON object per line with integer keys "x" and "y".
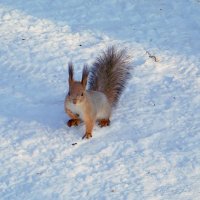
{"x": 74, "y": 101}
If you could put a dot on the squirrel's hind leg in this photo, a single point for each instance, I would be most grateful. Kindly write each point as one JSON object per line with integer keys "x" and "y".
{"x": 103, "y": 122}
{"x": 75, "y": 121}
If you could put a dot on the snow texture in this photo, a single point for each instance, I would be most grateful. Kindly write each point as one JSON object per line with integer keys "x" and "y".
{"x": 152, "y": 148}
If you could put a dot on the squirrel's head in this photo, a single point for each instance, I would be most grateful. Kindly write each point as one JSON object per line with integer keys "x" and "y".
{"x": 77, "y": 89}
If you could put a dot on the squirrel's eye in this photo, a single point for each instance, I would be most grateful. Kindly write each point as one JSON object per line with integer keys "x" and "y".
{"x": 82, "y": 94}
{"x": 68, "y": 93}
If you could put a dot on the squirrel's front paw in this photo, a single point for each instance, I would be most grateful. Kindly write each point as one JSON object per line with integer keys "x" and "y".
{"x": 87, "y": 136}
{"x": 73, "y": 122}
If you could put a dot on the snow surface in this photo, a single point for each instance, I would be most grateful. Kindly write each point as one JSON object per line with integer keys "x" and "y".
{"x": 152, "y": 148}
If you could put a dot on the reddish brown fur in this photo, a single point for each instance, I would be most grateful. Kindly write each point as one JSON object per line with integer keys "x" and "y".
{"x": 104, "y": 122}
{"x": 89, "y": 121}
{"x": 73, "y": 122}
{"x": 108, "y": 79}
{"x": 76, "y": 89}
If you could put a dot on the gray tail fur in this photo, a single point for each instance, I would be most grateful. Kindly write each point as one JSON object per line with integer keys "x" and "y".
{"x": 110, "y": 73}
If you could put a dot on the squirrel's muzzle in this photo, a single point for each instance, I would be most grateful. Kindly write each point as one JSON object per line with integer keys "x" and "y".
{"x": 74, "y": 101}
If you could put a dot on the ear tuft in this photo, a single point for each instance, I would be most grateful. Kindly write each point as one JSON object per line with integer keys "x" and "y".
{"x": 85, "y": 74}
{"x": 71, "y": 72}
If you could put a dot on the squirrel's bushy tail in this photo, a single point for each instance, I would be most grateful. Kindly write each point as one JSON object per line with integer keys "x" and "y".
{"x": 110, "y": 73}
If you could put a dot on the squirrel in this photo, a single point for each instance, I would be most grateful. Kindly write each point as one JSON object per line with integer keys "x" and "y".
{"x": 106, "y": 81}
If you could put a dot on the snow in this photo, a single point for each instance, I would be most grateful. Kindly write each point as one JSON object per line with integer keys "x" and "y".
{"x": 152, "y": 148}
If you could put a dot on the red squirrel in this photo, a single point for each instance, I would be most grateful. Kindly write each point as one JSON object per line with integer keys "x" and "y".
{"x": 106, "y": 81}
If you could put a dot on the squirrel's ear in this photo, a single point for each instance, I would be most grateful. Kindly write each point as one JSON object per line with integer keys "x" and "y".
{"x": 71, "y": 72}
{"x": 84, "y": 76}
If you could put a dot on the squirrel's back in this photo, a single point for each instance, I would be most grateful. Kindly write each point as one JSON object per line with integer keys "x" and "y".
{"x": 110, "y": 73}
